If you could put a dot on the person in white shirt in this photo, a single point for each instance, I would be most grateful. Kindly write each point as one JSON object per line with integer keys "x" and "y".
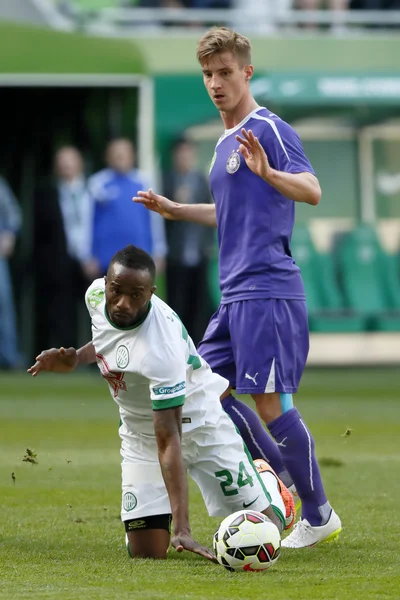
{"x": 171, "y": 415}
{"x": 62, "y": 240}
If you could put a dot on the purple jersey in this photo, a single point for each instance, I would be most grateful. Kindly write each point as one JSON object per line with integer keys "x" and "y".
{"x": 255, "y": 221}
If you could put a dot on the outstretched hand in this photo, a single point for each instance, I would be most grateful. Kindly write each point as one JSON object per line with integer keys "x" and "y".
{"x": 156, "y": 203}
{"x": 254, "y": 154}
{"x": 186, "y": 542}
{"x": 59, "y": 360}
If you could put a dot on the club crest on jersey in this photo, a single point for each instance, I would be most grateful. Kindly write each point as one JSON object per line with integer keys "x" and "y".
{"x": 122, "y": 357}
{"x": 233, "y": 162}
{"x": 96, "y": 297}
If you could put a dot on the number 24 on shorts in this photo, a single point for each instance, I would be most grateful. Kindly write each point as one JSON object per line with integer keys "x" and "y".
{"x": 243, "y": 479}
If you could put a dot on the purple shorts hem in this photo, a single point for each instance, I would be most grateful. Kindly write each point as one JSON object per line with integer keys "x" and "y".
{"x": 282, "y": 390}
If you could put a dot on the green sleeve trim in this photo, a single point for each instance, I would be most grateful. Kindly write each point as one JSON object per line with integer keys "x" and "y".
{"x": 194, "y": 361}
{"x": 169, "y": 403}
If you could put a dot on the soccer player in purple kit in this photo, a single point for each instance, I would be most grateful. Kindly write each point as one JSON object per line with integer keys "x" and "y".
{"x": 258, "y": 338}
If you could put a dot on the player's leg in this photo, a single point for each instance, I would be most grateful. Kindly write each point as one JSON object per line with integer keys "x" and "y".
{"x": 270, "y": 479}
{"x": 248, "y": 327}
{"x": 146, "y": 511}
{"x": 148, "y": 537}
{"x": 288, "y": 331}
{"x": 216, "y": 350}
{"x": 226, "y": 475}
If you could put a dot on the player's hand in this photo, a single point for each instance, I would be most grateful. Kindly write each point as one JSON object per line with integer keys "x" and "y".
{"x": 59, "y": 360}
{"x": 254, "y": 154}
{"x": 156, "y": 203}
{"x": 185, "y": 541}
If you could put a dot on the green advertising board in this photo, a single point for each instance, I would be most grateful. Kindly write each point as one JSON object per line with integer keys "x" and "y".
{"x": 319, "y": 88}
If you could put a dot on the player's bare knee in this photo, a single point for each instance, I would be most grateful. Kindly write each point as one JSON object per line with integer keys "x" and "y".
{"x": 226, "y": 394}
{"x": 135, "y": 552}
{"x": 148, "y": 537}
{"x": 268, "y": 406}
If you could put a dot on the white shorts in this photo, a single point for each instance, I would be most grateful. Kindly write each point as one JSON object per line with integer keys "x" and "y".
{"x": 217, "y": 461}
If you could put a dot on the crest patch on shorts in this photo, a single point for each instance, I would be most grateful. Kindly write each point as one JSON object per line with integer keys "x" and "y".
{"x": 233, "y": 162}
{"x": 129, "y": 501}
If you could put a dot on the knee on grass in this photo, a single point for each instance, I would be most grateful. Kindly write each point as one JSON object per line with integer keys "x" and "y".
{"x": 148, "y": 537}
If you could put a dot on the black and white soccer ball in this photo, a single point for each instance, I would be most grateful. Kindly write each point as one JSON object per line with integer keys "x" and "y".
{"x": 247, "y": 541}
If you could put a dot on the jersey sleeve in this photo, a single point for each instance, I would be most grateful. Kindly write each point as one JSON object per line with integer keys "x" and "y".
{"x": 283, "y": 148}
{"x": 165, "y": 368}
{"x": 95, "y": 295}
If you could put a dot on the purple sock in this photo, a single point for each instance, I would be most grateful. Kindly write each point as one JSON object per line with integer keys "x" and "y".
{"x": 296, "y": 445}
{"x": 258, "y": 441}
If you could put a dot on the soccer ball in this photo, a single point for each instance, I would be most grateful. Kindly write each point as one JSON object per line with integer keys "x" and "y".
{"x": 247, "y": 541}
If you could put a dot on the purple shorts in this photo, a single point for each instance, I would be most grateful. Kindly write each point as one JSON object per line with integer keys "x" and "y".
{"x": 260, "y": 346}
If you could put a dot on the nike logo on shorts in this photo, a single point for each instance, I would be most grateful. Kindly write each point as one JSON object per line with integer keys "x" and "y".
{"x": 249, "y": 503}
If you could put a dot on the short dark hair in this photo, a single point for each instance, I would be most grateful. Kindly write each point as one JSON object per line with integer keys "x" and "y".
{"x": 222, "y": 39}
{"x": 182, "y": 141}
{"x": 132, "y": 257}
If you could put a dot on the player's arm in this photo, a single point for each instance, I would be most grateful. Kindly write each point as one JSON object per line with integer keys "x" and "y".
{"x": 63, "y": 360}
{"x": 204, "y": 214}
{"x": 168, "y": 430}
{"x": 300, "y": 186}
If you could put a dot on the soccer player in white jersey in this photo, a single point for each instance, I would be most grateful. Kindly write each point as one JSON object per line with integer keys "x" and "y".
{"x": 171, "y": 415}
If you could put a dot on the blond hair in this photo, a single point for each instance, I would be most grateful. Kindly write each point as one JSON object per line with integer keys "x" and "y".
{"x": 222, "y": 39}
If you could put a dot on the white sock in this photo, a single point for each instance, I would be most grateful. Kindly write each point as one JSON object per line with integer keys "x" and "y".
{"x": 271, "y": 483}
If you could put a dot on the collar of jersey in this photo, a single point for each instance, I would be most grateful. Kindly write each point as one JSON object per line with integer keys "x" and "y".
{"x": 127, "y": 328}
{"x": 228, "y": 132}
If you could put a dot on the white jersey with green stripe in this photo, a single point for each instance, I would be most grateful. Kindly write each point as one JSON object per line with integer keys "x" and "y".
{"x": 152, "y": 365}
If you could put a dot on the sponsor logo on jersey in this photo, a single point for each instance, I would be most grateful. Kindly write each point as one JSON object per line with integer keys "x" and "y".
{"x": 247, "y": 504}
{"x": 96, "y": 297}
{"x": 129, "y": 501}
{"x": 233, "y": 162}
{"x": 122, "y": 357}
{"x": 137, "y": 524}
{"x": 162, "y": 390}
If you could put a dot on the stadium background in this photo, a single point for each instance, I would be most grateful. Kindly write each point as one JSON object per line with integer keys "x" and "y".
{"x": 83, "y": 78}
{"x": 342, "y": 95}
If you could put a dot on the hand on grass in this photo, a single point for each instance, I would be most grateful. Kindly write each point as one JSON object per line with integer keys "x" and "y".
{"x": 186, "y": 542}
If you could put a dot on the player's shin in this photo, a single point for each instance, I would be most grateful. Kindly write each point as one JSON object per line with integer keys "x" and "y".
{"x": 258, "y": 441}
{"x": 296, "y": 446}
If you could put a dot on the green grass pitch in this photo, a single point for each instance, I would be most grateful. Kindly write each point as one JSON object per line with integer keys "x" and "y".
{"x": 60, "y": 533}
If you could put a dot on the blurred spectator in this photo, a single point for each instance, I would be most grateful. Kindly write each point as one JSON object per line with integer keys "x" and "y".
{"x": 117, "y": 220}
{"x": 62, "y": 241}
{"x": 321, "y": 4}
{"x": 211, "y": 4}
{"x": 338, "y": 6}
{"x": 190, "y": 245}
{"x": 10, "y": 223}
